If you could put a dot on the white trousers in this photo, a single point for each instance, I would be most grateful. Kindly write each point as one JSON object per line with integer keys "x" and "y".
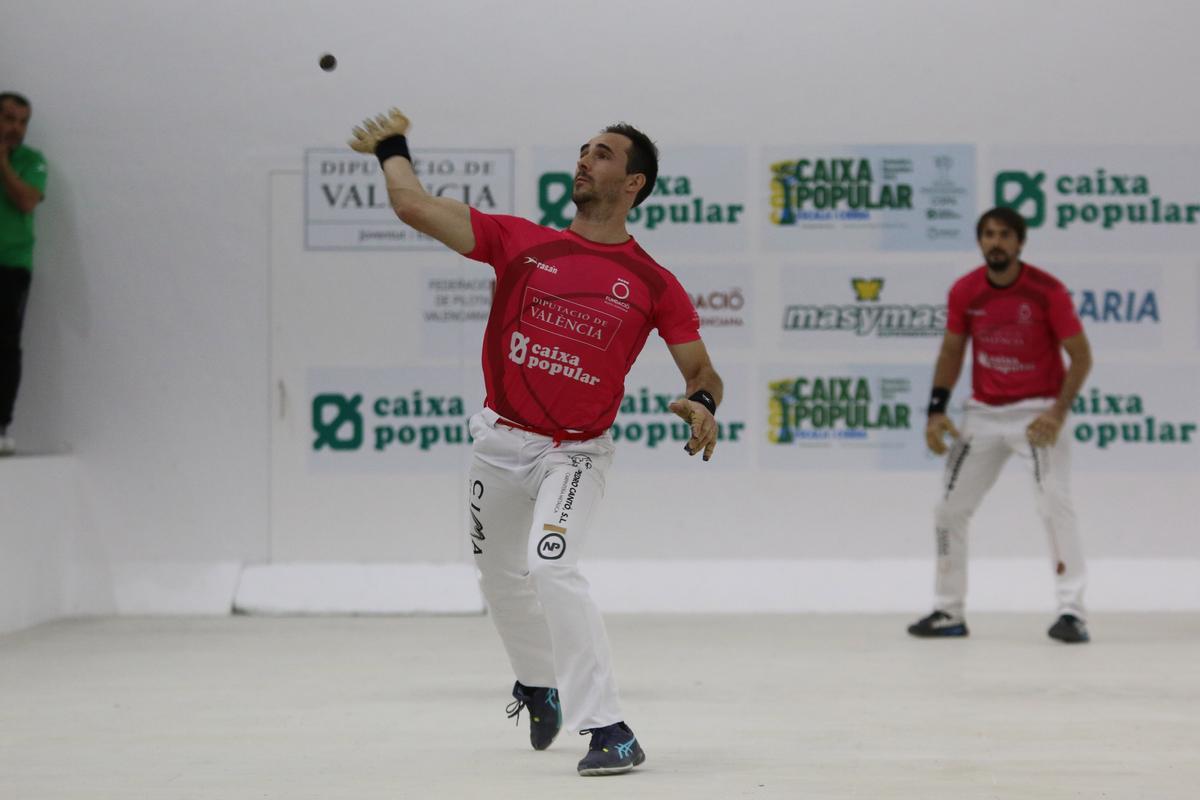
{"x": 989, "y": 435}
{"x": 531, "y": 507}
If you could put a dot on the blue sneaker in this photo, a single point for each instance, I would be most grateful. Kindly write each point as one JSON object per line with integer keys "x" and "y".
{"x": 545, "y": 713}
{"x": 939, "y": 623}
{"x": 613, "y": 750}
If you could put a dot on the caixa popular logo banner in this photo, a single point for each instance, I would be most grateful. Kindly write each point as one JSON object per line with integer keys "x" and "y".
{"x": 845, "y": 416}
{"x": 872, "y": 197}
{"x": 404, "y": 419}
{"x": 649, "y": 436}
{"x": 397, "y": 419}
{"x": 1101, "y": 198}
{"x": 698, "y": 203}
{"x": 1137, "y": 418}
{"x": 346, "y": 201}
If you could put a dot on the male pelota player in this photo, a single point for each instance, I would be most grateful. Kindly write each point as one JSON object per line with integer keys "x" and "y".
{"x": 571, "y": 312}
{"x": 1018, "y": 319}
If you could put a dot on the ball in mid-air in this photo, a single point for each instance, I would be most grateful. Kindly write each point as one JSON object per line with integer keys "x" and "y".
{"x": 328, "y": 62}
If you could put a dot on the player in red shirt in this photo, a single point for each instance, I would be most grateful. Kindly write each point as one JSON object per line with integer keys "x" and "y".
{"x": 571, "y": 312}
{"x": 1018, "y": 319}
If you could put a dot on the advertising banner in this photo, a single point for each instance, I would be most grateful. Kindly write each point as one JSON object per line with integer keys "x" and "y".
{"x": 844, "y": 416}
{"x": 698, "y": 203}
{"x": 725, "y": 300}
{"x": 391, "y": 419}
{"x": 1121, "y": 306}
{"x": 868, "y": 308}
{"x": 346, "y": 203}
{"x": 1137, "y": 418}
{"x": 455, "y": 304}
{"x": 650, "y": 437}
{"x": 1100, "y": 199}
{"x": 403, "y": 419}
{"x": 918, "y": 197}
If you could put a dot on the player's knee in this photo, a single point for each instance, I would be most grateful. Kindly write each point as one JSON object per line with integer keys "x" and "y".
{"x": 1056, "y": 505}
{"x": 495, "y": 582}
{"x": 950, "y": 513}
{"x": 551, "y": 576}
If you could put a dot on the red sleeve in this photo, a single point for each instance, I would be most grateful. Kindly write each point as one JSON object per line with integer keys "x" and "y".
{"x": 1063, "y": 319}
{"x": 956, "y": 310}
{"x": 675, "y": 316}
{"x": 495, "y": 236}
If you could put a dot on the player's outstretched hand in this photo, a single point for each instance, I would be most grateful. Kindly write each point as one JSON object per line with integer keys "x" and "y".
{"x": 704, "y": 426}
{"x": 1043, "y": 431}
{"x": 935, "y": 432}
{"x": 373, "y": 131}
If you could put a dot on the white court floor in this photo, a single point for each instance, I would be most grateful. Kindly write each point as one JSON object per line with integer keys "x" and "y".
{"x": 777, "y": 706}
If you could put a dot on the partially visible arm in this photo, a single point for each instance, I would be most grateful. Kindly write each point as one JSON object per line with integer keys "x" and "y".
{"x": 697, "y": 369}
{"x": 445, "y": 219}
{"x": 1080, "y": 352}
{"x": 1043, "y": 431}
{"x": 22, "y": 195}
{"x": 945, "y": 375}
{"x": 699, "y": 375}
{"x": 949, "y": 360}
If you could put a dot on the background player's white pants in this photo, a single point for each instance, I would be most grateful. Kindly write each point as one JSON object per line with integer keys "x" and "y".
{"x": 989, "y": 435}
{"x": 531, "y": 507}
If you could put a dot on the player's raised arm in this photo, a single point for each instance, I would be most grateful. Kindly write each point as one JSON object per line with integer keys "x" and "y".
{"x": 704, "y": 392}
{"x": 447, "y": 220}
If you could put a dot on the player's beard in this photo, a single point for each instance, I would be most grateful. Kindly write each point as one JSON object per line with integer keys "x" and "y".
{"x": 998, "y": 261}
{"x": 587, "y": 195}
{"x": 583, "y": 196}
{"x": 590, "y": 201}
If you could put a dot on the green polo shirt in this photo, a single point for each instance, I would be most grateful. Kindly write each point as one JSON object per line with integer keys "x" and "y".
{"x": 16, "y": 229}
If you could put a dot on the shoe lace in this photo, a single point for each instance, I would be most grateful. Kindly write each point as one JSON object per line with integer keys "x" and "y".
{"x": 601, "y": 737}
{"x": 514, "y": 710}
{"x": 527, "y": 698}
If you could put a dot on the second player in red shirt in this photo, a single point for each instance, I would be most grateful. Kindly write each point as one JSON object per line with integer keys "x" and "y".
{"x": 1019, "y": 320}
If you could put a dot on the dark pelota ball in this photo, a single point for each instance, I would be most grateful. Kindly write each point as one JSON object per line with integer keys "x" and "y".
{"x": 328, "y": 62}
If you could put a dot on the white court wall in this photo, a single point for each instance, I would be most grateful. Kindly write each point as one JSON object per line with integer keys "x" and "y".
{"x": 148, "y": 343}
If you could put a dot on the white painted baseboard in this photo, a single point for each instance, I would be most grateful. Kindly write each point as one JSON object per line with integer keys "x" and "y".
{"x": 167, "y": 588}
{"x": 722, "y": 586}
{"x": 359, "y": 589}
{"x": 885, "y": 585}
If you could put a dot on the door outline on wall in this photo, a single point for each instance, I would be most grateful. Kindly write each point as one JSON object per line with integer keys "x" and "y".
{"x": 353, "y": 310}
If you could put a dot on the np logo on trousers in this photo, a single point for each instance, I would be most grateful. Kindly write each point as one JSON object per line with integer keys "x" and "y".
{"x": 553, "y": 545}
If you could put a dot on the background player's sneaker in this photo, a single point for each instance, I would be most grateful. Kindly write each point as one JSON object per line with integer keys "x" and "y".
{"x": 8, "y": 445}
{"x": 1070, "y": 629}
{"x": 613, "y": 750}
{"x": 545, "y": 713}
{"x": 939, "y": 623}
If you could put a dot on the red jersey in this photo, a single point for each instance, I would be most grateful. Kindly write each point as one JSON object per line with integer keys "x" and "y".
{"x": 1016, "y": 333}
{"x": 568, "y": 320}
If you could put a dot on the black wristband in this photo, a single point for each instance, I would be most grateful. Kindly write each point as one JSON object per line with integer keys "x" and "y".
{"x": 939, "y": 398}
{"x": 705, "y": 399}
{"x": 392, "y": 146}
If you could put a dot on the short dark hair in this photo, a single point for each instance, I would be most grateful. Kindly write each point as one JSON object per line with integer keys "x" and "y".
{"x": 1006, "y": 217}
{"x": 643, "y": 157}
{"x": 19, "y": 99}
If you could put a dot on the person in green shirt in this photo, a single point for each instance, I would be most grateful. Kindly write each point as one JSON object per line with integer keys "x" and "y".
{"x": 22, "y": 182}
